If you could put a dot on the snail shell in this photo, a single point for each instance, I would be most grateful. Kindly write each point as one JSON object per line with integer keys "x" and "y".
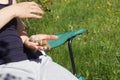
{"x": 41, "y": 42}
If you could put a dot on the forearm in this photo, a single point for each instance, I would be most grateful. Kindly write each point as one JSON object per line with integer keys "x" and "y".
{"x": 6, "y": 14}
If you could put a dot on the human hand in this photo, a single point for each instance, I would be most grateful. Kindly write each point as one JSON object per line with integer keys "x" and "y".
{"x": 34, "y": 43}
{"x": 27, "y": 10}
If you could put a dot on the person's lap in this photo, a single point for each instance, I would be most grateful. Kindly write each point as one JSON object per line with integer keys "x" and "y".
{"x": 40, "y": 69}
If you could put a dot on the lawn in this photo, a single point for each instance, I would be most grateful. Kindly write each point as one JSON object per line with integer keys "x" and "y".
{"x": 97, "y": 52}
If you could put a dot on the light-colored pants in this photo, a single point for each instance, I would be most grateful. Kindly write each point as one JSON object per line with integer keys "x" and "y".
{"x": 42, "y": 68}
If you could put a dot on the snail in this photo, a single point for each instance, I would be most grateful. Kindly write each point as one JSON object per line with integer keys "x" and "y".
{"x": 41, "y": 42}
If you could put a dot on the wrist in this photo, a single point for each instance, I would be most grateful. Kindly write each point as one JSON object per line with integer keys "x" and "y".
{"x": 10, "y": 10}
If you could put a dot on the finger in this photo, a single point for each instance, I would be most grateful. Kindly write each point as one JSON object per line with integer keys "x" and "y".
{"x": 35, "y": 9}
{"x": 51, "y": 37}
{"x": 43, "y": 36}
{"x": 33, "y": 45}
{"x": 42, "y": 47}
{"x": 34, "y": 16}
{"x": 47, "y": 37}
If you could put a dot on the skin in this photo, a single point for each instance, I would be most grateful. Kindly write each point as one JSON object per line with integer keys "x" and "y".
{"x": 24, "y": 10}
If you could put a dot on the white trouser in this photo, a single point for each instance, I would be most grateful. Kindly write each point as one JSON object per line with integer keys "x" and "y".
{"x": 42, "y": 68}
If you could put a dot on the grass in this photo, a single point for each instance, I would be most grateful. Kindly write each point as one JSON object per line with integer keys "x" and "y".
{"x": 97, "y": 52}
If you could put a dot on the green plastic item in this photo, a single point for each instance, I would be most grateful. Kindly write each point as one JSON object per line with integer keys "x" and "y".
{"x": 63, "y": 37}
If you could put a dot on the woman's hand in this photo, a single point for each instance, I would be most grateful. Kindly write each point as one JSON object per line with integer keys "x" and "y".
{"x": 27, "y": 10}
{"x": 36, "y": 46}
{"x": 21, "y": 10}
